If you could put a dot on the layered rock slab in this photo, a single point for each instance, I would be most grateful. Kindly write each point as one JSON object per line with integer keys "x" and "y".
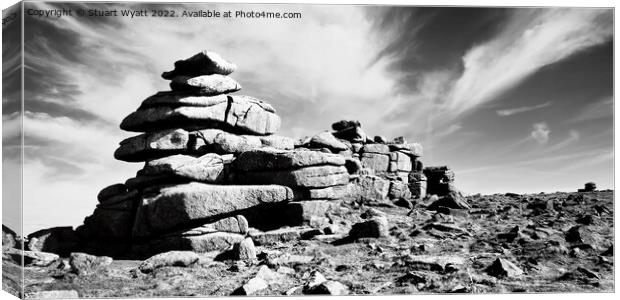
{"x": 237, "y": 114}
{"x": 194, "y": 202}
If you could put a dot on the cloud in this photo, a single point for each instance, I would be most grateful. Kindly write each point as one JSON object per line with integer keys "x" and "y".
{"x": 531, "y": 40}
{"x": 602, "y": 108}
{"x": 540, "y": 133}
{"x": 518, "y": 110}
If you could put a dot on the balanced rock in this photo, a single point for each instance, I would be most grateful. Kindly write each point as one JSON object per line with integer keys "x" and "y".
{"x": 206, "y": 85}
{"x": 203, "y": 63}
{"x": 327, "y": 140}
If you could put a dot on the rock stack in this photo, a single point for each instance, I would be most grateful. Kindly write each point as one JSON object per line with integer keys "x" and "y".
{"x": 381, "y": 169}
{"x": 213, "y": 166}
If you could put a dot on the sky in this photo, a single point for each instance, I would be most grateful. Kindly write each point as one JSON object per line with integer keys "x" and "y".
{"x": 512, "y": 99}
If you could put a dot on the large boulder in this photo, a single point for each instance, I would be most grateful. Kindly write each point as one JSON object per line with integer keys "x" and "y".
{"x": 59, "y": 240}
{"x": 309, "y": 177}
{"x": 376, "y": 161}
{"x": 207, "y": 85}
{"x": 239, "y": 114}
{"x": 8, "y": 238}
{"x": 203, "y": 63}
{"x": 207, "y": 168}
{"x": 272, "y": 159}
{"x": 188, "y": 203}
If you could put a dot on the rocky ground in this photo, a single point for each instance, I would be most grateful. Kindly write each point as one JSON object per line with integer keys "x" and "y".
{"x": 561, "y": 242}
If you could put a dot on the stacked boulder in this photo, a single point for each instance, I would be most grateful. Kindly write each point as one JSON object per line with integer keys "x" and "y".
{"x": 381, "y": 169}
{"x": 213, "y": 166}
{"x": 440, "y": 180}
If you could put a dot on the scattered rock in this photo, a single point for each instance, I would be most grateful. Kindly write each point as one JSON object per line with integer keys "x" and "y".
{"x": 86, "y": 264}
{"x": 376, "y": 227}
{"x": 245, "y": 250}
{"x": 503, "y": 268}
{"x": 169, "y": 259}
{"x": 329, "y": 287}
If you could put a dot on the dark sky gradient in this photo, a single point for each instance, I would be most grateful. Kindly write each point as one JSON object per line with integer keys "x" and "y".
{"x": 514, "y": 100}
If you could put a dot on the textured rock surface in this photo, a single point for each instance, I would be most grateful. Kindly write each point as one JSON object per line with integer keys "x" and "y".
{"x": 182, "y": 204}
{"x": 207, "y": 168}
{"x": 207, "y": 85}
{"x": 59, "y": 240}
{"x": 169, "y": 259}
{"x": 273, "y": 159}
{"x": 152, "y": 145}
{"x": 240, "y": 114}
{"x": 310, "y": 177}
{"x": 84, "y": 264}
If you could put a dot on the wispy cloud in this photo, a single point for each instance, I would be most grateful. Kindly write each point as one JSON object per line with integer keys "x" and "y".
{"x": 600, "y": 109}
{"x": 518, "y": 110}
{"x": 531, "y": 40}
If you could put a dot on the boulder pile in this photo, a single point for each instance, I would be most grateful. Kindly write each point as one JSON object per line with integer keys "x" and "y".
{"x": 216, "y": 173}
{"x": 212, "y": 164}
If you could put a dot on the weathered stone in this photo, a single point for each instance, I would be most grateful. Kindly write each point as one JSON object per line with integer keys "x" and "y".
{"x": 187, "y": 203}
{"x": 215, "y": 241}
{"x": 8, "y": 238}
{"x": 85, "y": 264}
{"x": 245, "y": 250}
{"x": 240, "y": 115}
{"x": 251, "y": 287}
{"x": 169, "y": 259}
{"x": 152, "y": 145}
{"x": 273, "y": 159}
{"x": 55, "y": 294}
{"x": 309, "y": 177}
{"x": 353, "y": 165}
{"x": 402, "y": 162}
{"x": 380, "y": 139}
{"x": 376, "y": 148}
{"x": 327, "y": 140}
{"x": 31, "y": 258}
{"x": 329, "y": 287}
{"x": 453, "y": 200}
{"x": 203, "y": 63}
{"x": 236, "y": 224}
{"x": 123, "y": 201}
{"x": 372, "y": 188}
{"x": 375, "y": 227}
{"x": 303, "y": 212}
{"x": 206, "y": 85}
{"x": 434, "y": 262}
{"x": 344, "y": 124}
{"x": 328, "y": 193}
{"x": 58, "y": 240}
{"x": 314, "y": 280}
{"x": 207, "y": 168}
{"x": 503, "y": 268}
{"x": 399, "y": 190}
{"x": 111, "y": 191}
{"x": 230, "y": 143}
{"x": 277, "y": 142}
{"x": 272, "y": 237}
{"x": 375, "y": 161}
{"x": 353, "y": 134}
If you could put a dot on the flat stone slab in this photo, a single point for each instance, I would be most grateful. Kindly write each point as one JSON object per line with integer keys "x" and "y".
{"x": 214, "y": 241}
{"x": 239, "y": 114}
{"x": 207, "y": 168}
{"x": 274, "y": 159}
{"x": 188, "y": 203}
{"x": 309, "y": 177}
{"x": 207, "y": 85}
{"x": 152, "y": 145}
